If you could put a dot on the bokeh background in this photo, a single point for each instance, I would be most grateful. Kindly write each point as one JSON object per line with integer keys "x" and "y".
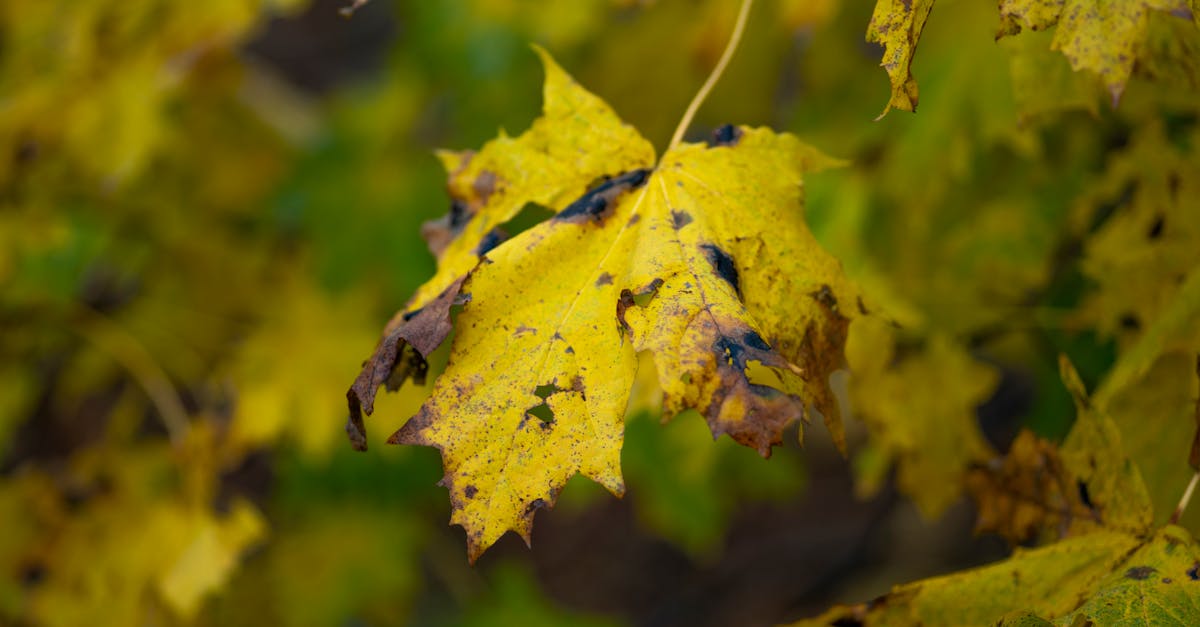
{"x": 208, "y": 210}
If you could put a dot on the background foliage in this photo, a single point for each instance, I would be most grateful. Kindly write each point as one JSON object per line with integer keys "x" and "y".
{"x": 208, "y": 211}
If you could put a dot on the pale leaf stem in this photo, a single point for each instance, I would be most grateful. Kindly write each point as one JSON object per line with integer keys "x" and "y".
{"x": 1187, "y": 497}
{"x": 714, "y": 76}
{"x": 108, "y": 336}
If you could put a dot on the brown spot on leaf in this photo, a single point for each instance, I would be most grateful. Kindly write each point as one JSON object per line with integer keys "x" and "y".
{"x": 827, "y": 299}
{"x": 604, "y": 279}
{"x": 1140, "y": 572}
{"x": 680, "y": 219}
{"x": 400, "y": 355}
{"x": 470, "y": 491}
{"x": 484, "y": 185}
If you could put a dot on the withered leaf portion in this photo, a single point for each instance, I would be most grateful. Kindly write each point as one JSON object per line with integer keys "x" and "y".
{"x": 400, "y": 356}
{"x": 577, "y": 140}
{"x": 1089, "y": 483}
{"x": 703, "y": 260}
{"x": 1026, "y": 491}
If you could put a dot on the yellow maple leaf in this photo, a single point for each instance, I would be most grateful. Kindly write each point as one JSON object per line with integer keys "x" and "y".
{"x": 703, "y": 260}
{"x": 1101, "y": 37}
{"x": 577, "y": 140}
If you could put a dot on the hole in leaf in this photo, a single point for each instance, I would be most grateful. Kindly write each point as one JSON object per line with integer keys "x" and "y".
{"x": 686, "y": 378}
{"x": 1084, "y": 496}
{"x": 544, "y": 391}
{"x": 531, "y": 215}
{"x": 542, "y": 412}
{"x": 758, "y": 374}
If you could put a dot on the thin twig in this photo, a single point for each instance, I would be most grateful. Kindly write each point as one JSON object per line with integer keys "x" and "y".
{"x": 714, "y": 76}
{"x": 108, "y": 336}
{"x": 1187, "y": 497}
{"x": 348, "y": 11}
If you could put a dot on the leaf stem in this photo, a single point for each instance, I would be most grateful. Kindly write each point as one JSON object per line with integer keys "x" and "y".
{"x": 108, "y": 336}
{"x": 348, "y": 11}
{"x": 1187, "y": 497}
{"x": 734, "y": 39}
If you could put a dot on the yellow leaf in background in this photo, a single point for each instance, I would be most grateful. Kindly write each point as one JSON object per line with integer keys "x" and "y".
{"x": 897, "y": 26}
{"x": 292, "y": 388}
{"x": 1103, "y": 578}
{"x": 1043, "y": 81}
{"x": 1101, "y": 37}
{"x": 807, "y": 13}
{"x": 210, "y": 557}
{"x": 1143, "y": 256}
{"x": 1156, "y": 415}
{"x": 704, "y": 261}
{"x": 920, "y": 412}
{"x": 1094, "y": 455}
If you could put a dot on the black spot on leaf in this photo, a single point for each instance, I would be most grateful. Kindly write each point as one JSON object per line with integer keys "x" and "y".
{"x": 680, "y": 219}
{"x": 534, "y": 506}
{"x": 723, "y": 264}
{"x": 754, "y": 340}
{"x": 459, "y": 214}
{"x": 593, "y": 204}
{"x": 1156, "y": 229}
{"x": 1084, "y": 497}
{"x": 470, "y": 491}
{"x": 727, "y": 135}
{"x": 490, "y": 241}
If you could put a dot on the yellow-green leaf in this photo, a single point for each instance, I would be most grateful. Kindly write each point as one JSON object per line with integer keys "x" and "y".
{"x": 925, "y": 425}
{"x": 897, "y": 25}
{"x": 1101, "y": 37}
{"x": 1094, "y": 455}
{"x": 1106, "y": 577}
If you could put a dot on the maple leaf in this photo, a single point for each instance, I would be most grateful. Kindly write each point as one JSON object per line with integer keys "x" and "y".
{"x": 1101, "y": 37}
{"x": 1089, "y": 483}
{"x": 577, "y": 140}
{"x": 1111, "y": 563}
{"x": 703, "y": 260}
{"x": 897, "y": 25}
{"x": 1096, "y": 578}
{"x": 925, "y": 424}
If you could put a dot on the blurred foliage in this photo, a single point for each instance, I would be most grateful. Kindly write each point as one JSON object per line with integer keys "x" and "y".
{"x": 201, "y": 235}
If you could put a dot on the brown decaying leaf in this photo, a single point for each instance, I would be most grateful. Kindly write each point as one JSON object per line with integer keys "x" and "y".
{"x": 1026, "y": 491}
{"x": 408, "y": 339}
